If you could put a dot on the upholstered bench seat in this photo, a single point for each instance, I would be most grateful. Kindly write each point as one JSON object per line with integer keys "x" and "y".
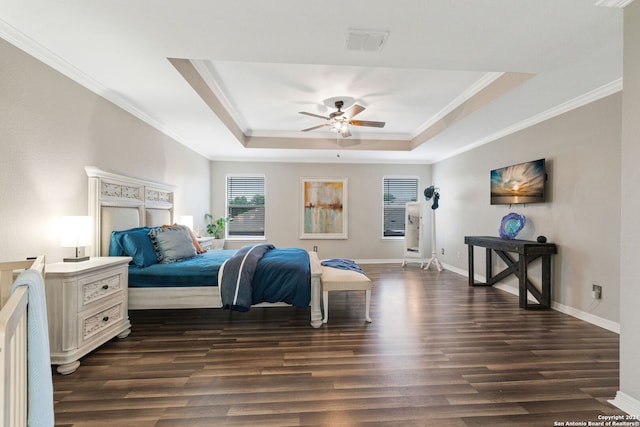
{"x": 337, "y": 279}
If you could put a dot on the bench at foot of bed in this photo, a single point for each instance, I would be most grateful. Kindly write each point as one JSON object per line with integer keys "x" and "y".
{"x": 336, "y": 279}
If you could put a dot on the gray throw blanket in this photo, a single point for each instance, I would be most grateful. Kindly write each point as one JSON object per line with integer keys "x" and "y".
{"x": 235, "y": 277}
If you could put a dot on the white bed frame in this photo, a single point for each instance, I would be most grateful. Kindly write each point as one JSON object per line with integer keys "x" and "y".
{"x": 13, "y": 343}
{"x": 118, "y": 202}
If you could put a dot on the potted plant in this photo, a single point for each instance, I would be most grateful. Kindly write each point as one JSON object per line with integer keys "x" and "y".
{"x": 216, "y": 229}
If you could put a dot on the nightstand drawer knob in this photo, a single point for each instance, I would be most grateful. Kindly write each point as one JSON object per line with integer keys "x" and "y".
{"x": 105, "y": 287}
{"x": 105, "y": 319}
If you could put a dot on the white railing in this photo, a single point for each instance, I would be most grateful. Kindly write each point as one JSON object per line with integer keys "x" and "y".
{"x": 13, "y": 343}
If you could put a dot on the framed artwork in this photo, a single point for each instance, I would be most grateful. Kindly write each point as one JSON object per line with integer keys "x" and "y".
{"x": 323, "y": 212}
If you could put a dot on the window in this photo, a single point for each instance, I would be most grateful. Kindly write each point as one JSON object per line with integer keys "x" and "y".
{"x": 397, "y": 191}
{"x": 245, "y": 206}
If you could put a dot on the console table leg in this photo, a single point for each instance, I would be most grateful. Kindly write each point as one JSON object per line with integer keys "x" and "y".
{"x": 546, "y": 281}
{"x": 522, "y": 280}
{"x": 489, "y": 265}
{"x": 471, "y": 274}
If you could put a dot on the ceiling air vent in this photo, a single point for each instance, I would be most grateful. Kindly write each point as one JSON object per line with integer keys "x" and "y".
{"x": 366, "y": 40}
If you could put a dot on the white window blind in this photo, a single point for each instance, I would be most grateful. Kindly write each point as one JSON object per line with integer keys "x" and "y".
{"x": 245, "y": 206}
{"x": 396, "y": 193}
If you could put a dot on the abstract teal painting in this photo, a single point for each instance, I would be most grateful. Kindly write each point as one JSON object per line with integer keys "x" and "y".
{"x": 324, "y": 208}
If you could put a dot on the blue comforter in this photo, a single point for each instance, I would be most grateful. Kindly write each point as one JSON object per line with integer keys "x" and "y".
{"x": 282, "y": 275}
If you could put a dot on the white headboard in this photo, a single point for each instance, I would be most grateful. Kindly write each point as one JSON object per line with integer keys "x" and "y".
{"x": 118, "y": 202}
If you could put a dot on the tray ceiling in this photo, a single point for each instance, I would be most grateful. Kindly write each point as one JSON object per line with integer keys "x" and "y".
{"x": 228, "y": 79}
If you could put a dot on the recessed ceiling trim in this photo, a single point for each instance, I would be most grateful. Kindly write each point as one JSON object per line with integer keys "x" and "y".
{"x": 328, "y": 144}
{"x": 497, "y": 88}
{"x": 186, "y": 68}
{"x": 209, "y": 75}
{"x": 329, "y": 134}
{"x": 483, "y": 82}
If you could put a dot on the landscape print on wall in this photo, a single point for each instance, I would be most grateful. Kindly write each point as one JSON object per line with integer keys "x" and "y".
{"x": 521, "y": 183}
{"x": 324, "y": 213}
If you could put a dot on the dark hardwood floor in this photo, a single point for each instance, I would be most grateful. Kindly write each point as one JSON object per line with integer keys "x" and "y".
{"x": 438, "y": 353}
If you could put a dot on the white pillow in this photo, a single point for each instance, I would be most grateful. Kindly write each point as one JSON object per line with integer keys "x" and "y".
{"x": 172, "y": 244}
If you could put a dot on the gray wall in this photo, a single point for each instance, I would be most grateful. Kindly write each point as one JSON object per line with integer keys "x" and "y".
{"x": 50, "y": 128}
{"x": 582, "y": 215}
{"x": 283, "y": 204}
{"x": 630, "y": 240}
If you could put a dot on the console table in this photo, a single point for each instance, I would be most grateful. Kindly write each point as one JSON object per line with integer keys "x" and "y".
{"x": 527, "y": 251}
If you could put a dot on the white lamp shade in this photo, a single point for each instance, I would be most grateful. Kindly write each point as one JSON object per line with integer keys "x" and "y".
{"x": 75, "y": 231}
{"x": 187, "y": 220}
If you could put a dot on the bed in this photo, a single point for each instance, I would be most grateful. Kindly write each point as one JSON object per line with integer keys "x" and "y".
{"x": 118, "y": 203}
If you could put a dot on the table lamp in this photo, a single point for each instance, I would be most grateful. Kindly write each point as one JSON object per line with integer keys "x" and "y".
{"x": 75, "y": 232}
{"x": 186, "y": 220}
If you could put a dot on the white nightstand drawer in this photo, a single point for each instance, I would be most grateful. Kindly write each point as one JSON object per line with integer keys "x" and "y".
{"x": 95, "y": 288}
{"x": 90, "y": 325}
{"x": 87, "y": 305}
{"x": 206, "y": 243}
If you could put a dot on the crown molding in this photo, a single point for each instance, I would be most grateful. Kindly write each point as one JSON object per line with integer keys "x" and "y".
{"x": 41, "y": 53}
{"x": 594, "y": 95}
{"x": 613, "y": 3}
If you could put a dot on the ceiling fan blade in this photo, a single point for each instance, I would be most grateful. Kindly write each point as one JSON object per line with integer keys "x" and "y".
{"x": 353, "y": 110}
{"x": 314, "y": 115}
{"x": 316, "y": 127}
{"x": 367, "y": 123}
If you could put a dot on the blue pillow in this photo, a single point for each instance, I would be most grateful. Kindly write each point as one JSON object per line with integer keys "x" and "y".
{"x": 115, "y": 249}
{"x": 138, "y": 246}
{"x": 172, "y": 244}
{"x": 115, "y": 244}
{"x": 135, "y": 243}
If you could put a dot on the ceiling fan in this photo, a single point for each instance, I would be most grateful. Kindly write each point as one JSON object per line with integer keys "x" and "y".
{"x": 340, "y": 120}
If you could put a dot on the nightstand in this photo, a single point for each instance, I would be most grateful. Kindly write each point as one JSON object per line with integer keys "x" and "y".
{"x": 206, "y": 243}
{"x": 87, "y": 305}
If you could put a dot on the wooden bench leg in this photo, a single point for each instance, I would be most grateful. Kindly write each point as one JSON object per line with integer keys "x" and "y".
{"x": 325, "y": 304}
{"x": 367, "y": 303}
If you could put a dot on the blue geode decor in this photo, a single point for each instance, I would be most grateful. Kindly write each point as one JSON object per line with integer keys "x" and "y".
{"x": 511, "y": 224}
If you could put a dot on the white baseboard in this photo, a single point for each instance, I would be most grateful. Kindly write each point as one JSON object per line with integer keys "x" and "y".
{"x": 622, "y": 400}
{"x": 579, "y": 314}
{"x": 582, "y": 315}
{"x": 587, "y": 317}
{"x": 378, "y": 261}
{"x": 455, "y": 270}
{"x": 627, "y": 403}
